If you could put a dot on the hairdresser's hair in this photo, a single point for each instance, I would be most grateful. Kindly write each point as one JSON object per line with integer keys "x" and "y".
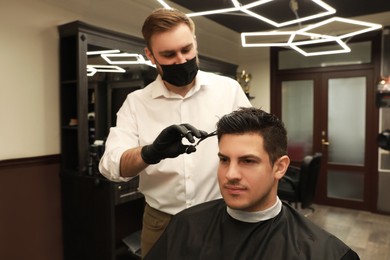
{"x": 162, "y": 20}
{"x": 253, "y": 120}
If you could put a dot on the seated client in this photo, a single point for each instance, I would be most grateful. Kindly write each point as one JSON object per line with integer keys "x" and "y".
{"x": 250, "y": 222}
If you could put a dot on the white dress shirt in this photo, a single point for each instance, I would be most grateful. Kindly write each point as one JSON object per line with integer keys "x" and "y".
{"x": 178, "y": 183}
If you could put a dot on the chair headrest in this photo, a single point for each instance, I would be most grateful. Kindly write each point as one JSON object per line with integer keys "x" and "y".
{"x": 383, "y": 140}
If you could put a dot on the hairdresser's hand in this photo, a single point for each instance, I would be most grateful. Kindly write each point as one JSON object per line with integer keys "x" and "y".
{"x": 168, "y": 143}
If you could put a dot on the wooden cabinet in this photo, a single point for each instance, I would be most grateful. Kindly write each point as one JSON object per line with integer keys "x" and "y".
{"x": 82, "y": 95}
{"x": 97, "y": 213}
{"x": 97, "y": 217}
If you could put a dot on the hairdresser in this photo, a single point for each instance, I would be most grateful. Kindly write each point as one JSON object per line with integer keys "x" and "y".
{"x": 158, "y": 126}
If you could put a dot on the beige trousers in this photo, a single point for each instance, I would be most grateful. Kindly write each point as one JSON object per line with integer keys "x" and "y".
{"x": 154, "y": 224}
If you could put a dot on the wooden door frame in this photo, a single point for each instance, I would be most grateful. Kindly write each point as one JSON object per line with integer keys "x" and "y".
{"x": 371, "y": 159}
{"x": 372, "y": 122}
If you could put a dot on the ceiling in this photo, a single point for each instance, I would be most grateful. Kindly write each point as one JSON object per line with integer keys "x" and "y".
{"x": 279, "y": 11}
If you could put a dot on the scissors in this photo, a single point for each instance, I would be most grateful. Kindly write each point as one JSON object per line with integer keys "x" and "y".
{"x": 206, "y": 136}
{"x": 191, "y": 148}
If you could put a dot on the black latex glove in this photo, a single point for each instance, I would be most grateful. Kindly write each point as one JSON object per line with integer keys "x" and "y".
{"x": 168, "y": 143}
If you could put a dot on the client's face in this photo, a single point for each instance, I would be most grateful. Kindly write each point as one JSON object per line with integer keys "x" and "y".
{"x": 247, "y": 179}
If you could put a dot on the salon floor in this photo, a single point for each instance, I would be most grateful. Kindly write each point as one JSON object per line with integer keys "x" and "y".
{"x": 366, "y": 233}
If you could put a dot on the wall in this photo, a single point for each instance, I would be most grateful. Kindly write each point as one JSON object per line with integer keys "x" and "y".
{"x": 29, "y": 108}
{"x": 259, "y": 85}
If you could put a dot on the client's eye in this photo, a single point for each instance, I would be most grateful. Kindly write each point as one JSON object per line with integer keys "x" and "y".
{"x": 223, "y": 159}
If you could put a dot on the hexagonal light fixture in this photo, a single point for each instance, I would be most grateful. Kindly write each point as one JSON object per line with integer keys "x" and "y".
{"x": 93, "y": 69}
{"x": 307, "y": 31}
{"x": 366, "y": 27}
{"x": 125, "y": 58}
{"x": 328, "y": 10}
{"x": 313, "y": 32}
{"x": 246, "y": 42}
{"x": 317, "y": 39}
{"x": 114, "y": 58}
{"x": 246, "y": 9}
{"x": 291, "y": 41}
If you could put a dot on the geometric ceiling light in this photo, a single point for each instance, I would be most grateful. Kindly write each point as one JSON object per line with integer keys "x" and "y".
{"x": 266, "y": 39}
{"x": 315, "y": 40}
{"x": 346, "y": 29}
{"x": 321, "y": 32}
{"x": 90, "y": 53}
{"x": 165, "y": 5}
{"x": 126, "y": 58}
{"x": 92, "y": 69}
{"x": 351, "y": 27}
{"x": 293, "y": 39}
{"x": 312, "y": 32}
{"x": 113, "y": 58}
{"x": 327, "y": 10}
{"x": 237, "y": 6}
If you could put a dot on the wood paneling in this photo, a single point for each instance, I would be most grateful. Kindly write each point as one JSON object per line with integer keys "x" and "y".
{"x": 30, "y": 209}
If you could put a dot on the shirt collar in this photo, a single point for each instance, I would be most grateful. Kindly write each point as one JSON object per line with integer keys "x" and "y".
{"x": 159, "y": 88}
{"x": 253, "y": 217}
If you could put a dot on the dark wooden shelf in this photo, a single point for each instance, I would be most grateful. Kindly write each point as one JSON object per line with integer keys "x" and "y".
{"x": 97, "y": 213}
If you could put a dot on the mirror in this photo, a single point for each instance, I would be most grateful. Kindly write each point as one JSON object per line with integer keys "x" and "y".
{"x": 112, "y": 75}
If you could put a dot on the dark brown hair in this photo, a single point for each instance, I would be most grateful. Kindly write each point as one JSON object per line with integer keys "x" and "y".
{"x": 253, "y": 120}
{"x": 162, "y": 20}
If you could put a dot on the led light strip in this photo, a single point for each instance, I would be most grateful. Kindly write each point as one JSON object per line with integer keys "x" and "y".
{"x": 245, "y": 8}
{"x": 165, "y": 5}
{"x": 139, "y": 59}
{"x": 328, "y": 10}
{"x": 369, "y": 26}
{"x": 106, "y": 54}
{"x": 90, "y": 53}
{"x": 245, "y": 35}
{"x": 315, "y": 38}
{"x": 92, "y": 69}
{"x": 305, "y": 31}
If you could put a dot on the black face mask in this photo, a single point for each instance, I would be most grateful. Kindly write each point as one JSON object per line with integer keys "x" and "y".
{"x": 180, "y": 75}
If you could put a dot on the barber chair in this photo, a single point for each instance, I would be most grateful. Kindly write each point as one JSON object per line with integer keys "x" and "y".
{"x": 383, "y": 140}
{"x": 298, "y": 185}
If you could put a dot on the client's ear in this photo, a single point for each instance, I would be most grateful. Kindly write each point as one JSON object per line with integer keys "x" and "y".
{"x": 280, "y": 166}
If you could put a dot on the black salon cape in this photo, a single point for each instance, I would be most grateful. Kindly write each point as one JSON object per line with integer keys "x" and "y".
{"x": 207, "y": 232}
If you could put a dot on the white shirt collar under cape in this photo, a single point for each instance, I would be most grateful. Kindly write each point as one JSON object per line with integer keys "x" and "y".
{"x": 253, "y": 217}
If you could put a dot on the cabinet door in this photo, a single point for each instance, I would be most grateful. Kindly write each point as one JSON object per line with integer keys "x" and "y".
{"x": 88, "y": 218}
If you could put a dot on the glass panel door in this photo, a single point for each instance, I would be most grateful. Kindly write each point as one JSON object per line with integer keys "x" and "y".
{"x": 346, "y": 120}
{"x": 346, "y": 137}
{"x": 297, "y": 115}
{"x": 327, "y": 113}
